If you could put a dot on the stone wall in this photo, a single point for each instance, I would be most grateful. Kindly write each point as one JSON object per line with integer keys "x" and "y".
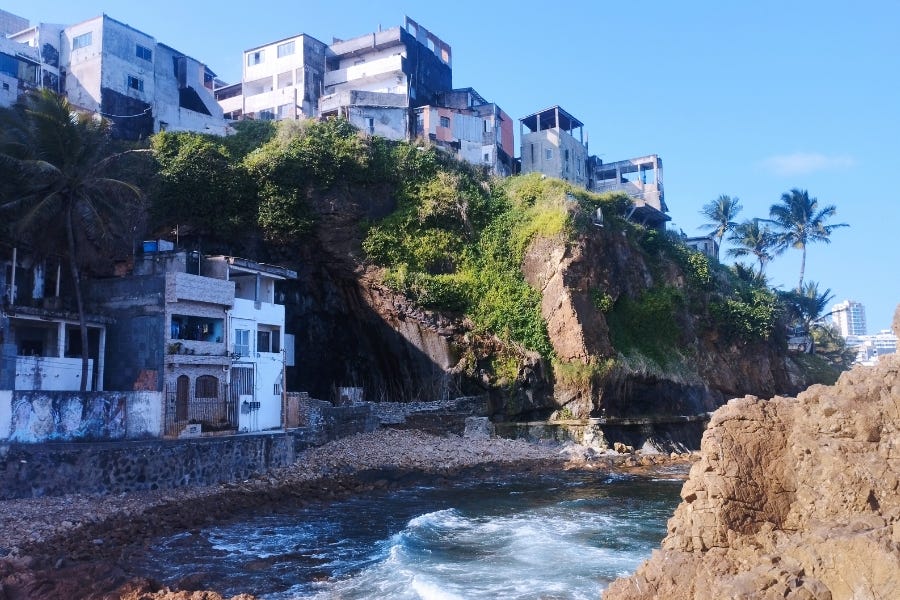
{"x": 51, "y": 468}
{"x": 34, "y": 470}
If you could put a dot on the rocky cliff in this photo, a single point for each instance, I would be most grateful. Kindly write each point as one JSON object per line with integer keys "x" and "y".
{"x": 352, "y": 330}
{"x": 792, "y": 498}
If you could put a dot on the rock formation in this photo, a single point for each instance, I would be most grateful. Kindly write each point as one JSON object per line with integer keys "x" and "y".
{"x": 792, "y": 498}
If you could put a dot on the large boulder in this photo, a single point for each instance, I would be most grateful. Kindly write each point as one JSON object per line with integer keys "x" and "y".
{"x": 792, "y": 498}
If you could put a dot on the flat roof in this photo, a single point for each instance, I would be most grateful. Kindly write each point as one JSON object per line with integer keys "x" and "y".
{"x": 547, "y": 119}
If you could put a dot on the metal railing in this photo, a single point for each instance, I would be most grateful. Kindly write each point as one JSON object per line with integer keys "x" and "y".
{"x": 212, "y": 413}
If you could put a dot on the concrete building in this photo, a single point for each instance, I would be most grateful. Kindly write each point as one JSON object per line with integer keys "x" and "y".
{"x": 107, "y": 67}
{"x": 26, "y": 61}
{"x": 706, "y": 244}
{"x": 206, "y": 331}
{"x": 642, "y": 179}
{"x": 40, "y": 336}
{"x": 850, "y": 318}
{"x": 869, "y": 348}
{"x": 470, "y": 127}
{"x": 281, "y": 80}
{"x": 552, "y": 143}
{"x": 375, "y": 79}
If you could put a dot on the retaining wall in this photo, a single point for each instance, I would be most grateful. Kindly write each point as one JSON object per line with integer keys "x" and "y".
{"x": 56, "y": 468}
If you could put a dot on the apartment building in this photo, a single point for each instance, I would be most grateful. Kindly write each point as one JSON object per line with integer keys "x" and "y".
{"x": 280, "y": 80}
{"x": 375, "y": 79}
{"x": 850, "y": 318}
{"x": 552, "y": 143}
{"x": 108, "y": 67}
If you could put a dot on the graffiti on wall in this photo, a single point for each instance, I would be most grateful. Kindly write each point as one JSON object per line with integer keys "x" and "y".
{"x": 63, "y": 416}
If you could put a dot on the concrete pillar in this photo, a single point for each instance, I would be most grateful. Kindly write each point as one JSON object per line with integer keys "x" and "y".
{"x": 61, "y": 339}
{"x": 101, "y": 356}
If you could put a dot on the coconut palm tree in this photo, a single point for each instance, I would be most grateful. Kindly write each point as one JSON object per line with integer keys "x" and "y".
{"x": 750, "y": 238}
{"x": 721, "y": 214}
{"x": 799, "y": 221}
{"x": 54, "y": 164}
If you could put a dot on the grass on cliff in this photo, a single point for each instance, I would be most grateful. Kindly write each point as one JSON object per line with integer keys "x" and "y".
{"x": 458, "y": 238}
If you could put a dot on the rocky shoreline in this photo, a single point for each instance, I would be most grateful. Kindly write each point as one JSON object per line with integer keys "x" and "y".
{"x": 794, "y": 498}
{"x": 71, "y": 546}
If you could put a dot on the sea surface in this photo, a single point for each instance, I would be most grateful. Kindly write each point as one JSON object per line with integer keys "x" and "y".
{"x": 548, "y": 536}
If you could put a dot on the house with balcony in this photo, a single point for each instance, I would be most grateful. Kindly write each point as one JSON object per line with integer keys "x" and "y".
{"x": 206, "y": 331}
{"x": 642, "y": 179}
{"x": 464, "y": 123}
{"x": 40, "y": 336}
{"x": 375, "y": 79}
{"x": 280, "y": 80}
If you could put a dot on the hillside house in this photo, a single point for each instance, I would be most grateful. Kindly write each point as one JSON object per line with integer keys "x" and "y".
{"x": 473, "y": 129}
{"x": 552, "y": 143}
{"x": 375, "y": 79}
{"x": 641, "y": 178}
{"x": 206, "y": 331}
{"x": 40, "y": 337}
{"x": 281, "y": 80}
{"x": 107, "y": 67}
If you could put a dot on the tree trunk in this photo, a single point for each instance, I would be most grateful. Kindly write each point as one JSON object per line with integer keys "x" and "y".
{"x": 802, "y": 269}
{"x": 79, "y": 302}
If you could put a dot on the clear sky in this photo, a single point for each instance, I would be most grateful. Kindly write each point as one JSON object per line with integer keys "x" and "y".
{"x": 748, "y": 99}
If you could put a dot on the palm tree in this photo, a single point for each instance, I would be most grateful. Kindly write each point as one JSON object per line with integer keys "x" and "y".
{"x": 53, "y": 164}
{"x": 800, "y": 222}
{"x": 750, "y": 238}
{"x": 721, "y": 213}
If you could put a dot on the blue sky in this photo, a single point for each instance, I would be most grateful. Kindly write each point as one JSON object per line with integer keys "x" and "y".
{"x": 745, "y": 99}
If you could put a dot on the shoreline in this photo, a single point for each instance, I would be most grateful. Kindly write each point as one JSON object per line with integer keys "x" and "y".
{"x": 67, "y": 541}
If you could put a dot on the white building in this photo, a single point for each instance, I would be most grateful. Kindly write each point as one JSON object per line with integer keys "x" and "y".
{"x": 281, "y": 80}
{"x": 259, "y": 347}
{"x": 869, "y": 348}
{"x": 850, "y": 318}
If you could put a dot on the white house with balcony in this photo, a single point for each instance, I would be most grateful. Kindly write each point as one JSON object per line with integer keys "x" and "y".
{"x": 280, "y": 80}
{"x": 260, "y": 350}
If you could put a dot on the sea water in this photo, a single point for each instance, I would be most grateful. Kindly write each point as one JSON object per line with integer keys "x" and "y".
{"x": 559, "y": 536}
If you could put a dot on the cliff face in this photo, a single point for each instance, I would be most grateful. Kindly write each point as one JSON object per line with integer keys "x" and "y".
{"x": 351, "y": 330}
{"x": 792, "y": 498}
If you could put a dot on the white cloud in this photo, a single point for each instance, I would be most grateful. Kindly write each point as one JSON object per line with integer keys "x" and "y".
{"x": 803, "y": 163}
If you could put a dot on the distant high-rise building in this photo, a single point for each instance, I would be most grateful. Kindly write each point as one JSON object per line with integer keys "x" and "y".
{"x": 850, "y": 317}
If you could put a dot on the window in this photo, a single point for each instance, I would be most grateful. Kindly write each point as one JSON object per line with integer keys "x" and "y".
{"x": 371, "y": 123}
{"x": 285, "y": 49}
{"x": 143, "y": 52}
{"x": 487, "y": 157}
{"x": 548, "y": 154}
{"x": 267, "y": 341}
{"x": 206, "y": 386}
{"x": 200, "y": 329}
{"x": 286, "y": 111}
{"x": 81, "y": 41}
{"x": 5, "y": 86}
{"x": 136, "y": 83}
{"x": 267, "y": 114}
{"x": 242, "y": 342}
{"x": 445, "y": 121}
{"x": 254, "y": 58}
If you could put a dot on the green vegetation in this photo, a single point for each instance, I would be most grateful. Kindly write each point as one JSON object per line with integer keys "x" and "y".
{"x": 56, "y": 187}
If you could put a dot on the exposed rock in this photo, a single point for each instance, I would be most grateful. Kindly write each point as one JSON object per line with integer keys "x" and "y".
{"x": 791, "y": 498}
{"x": 478, "y": 428}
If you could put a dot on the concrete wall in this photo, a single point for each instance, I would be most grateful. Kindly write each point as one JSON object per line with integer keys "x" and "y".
{"x": 34, "y": 470}
{"x": 40, "y": 416}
